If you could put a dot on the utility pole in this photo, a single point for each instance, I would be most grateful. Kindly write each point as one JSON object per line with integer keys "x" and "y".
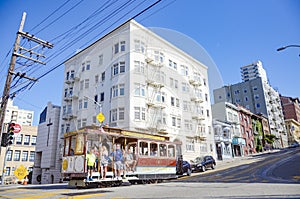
{"x": 19, "y": 51}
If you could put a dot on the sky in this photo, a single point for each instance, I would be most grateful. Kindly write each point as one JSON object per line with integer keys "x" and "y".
{"x": 234, "y": 33}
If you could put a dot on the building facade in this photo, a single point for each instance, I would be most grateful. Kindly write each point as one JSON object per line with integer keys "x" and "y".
{"x": 227, "y": 113}
{"x": 21, "y": 152}
{"x": 246, "y": 130}
{"x": 140, "y": 82}
{"x": 47, "y": 165}
{"x": 260, "y": 98}
{"x": 290, "y": 107}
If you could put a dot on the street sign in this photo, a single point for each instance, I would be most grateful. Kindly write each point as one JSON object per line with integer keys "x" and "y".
{"x": 100, "y": 117}
{"x": 21, "y": 172}
{"x": 16, "y": 127}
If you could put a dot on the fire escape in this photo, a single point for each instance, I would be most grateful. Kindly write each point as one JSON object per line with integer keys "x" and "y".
{"x": 155, "y": 97}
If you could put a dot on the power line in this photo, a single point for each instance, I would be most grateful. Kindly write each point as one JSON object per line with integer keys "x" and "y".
{"x": 50, "y": 15}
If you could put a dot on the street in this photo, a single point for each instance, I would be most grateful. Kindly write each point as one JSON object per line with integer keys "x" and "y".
{"x": 267, "y": 175}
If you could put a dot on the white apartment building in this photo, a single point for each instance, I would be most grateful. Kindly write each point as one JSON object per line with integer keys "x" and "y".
{"x": 47, "y": 167}
{"x": 16, "y": 115}
{"x": 140, "y": 82}
{"x": 253, "y": 71}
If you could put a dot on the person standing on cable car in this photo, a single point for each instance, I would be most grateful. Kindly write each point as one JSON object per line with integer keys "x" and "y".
{"x": 118, "y": 161}
{"x": 91, "y": 159}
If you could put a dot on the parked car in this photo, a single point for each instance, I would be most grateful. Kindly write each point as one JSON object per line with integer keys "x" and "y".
{"x": 184, "y": 168}
{"x": 202, "y": 163}
{"x": 294, "y": 145}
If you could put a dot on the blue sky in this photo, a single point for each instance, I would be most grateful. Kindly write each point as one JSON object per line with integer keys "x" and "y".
{"x": 234, "y": 33}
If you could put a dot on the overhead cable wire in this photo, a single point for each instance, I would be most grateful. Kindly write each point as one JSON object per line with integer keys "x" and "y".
{"x": 59, "y": 17}
{"x": 30, "y": 84}
{"x": 57, "y": 9}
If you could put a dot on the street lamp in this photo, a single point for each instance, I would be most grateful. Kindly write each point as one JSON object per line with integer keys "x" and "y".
{"x": 284, "y": 47}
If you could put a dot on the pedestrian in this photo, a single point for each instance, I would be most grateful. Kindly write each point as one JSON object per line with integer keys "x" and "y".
{"x": 118, "y": 161}
{"x": 91, "y": 159}
{"x": 104, "y": 162}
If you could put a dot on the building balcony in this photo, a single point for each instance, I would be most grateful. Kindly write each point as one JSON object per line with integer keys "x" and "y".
{"x": 194, "y": 82}
{"x": 197, "y": 99}
{"x": 72, "y": 80}
{"x": 198, "y": 116}
{"x": 153, "y": 104}
{"x": 154, "y": 83}
{"x": 68, "y": 116}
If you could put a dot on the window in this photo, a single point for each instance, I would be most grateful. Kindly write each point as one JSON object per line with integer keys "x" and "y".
{"x": 121, "y": 89}
{"x": 114, "y": 115}
{"x": 184, "y": 70}
{"x": 163, "y": 150}
{"x": 119, "y": 47}
{"x": 80, "y": 104}
{"x": 101, "y": 97}
{"x": 81, "y": 84}
{"x": 86, "y": 83}
{"x": 85, "y": 103}
{"x": 143, "y": 148}
{"x": 139, "y": 113}
{"x": 88, "y": 65}
{"x": 118, "y": 68}
{"x": 190, "y": 145}
{"x": 96, "y": 79}
{"x": 173, "y": 121}
{"x": 139, "y": 67}
{"x": 9, "y": 155}
{"x": 185, "y": 87}
{"x": 25, "y": 156}
{"x": 17, "y": 155}
{"x": 32, "y": 155}
{"x": 19, "y": 139}
{"x": 7, "y": 172}
{"x": 103, "y": 76}
{"x": 139, "y": 46}
{"x": 100, "y": 60}
{"x": 121, "y": 113}
{"x": 26, "y": 139}
{"x": 33, "y": 140}
{"x": 139, "y": 89}
{"x": 83, "y": 67}
{"x": 83, "y": 122}
{"x": 172, "y": 101}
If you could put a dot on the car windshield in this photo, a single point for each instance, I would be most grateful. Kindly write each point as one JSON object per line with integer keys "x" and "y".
{"x": 198, "y": 159}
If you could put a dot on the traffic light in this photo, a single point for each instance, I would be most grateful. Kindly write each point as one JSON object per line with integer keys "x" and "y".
{"x": 10, "y": 134}
{"x": 4, "y": 140}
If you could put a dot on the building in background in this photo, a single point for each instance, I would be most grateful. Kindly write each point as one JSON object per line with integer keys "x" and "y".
{"x": 16, "y": 115}
{"x": 140, "y": 82}
{"x": 22, "y": 150}
{"x": 226, "y": 121}
{"x": 291, "y": 112}
{"x": 253, "y": 71}
{"x": 257, "y": 95}
{"x": 47, "y": 164}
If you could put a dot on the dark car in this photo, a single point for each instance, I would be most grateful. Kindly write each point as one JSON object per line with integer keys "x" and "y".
{"x": 202, "y": 163}
{"x": 183, "y": 167}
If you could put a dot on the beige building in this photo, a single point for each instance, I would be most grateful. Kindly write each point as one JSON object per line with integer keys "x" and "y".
{"x": 21, "y": 152}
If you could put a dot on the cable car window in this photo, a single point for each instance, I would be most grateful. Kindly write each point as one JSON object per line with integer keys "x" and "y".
{"x": 79, "y": 144}
{"x": 143, "y": 148}
{"x": 153, "y": 149}
{"x": 171, "y": 151}
{"x": 67, "y": 144}
{"x": 162, "y": 150}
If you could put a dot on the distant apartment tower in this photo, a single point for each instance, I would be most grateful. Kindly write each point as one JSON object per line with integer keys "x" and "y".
{"x": 260, "y": 98}
{"x": 291, "y": 108}
{"x": 140, "y": 82}
{"x": 47, "y": 159}
{"x": 253, "y": 71}
{"x": 16, "y": 115}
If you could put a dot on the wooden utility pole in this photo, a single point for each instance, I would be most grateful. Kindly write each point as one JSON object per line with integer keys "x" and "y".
{"x": 19, "y": 51}
{"x": 5, "y": 95}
